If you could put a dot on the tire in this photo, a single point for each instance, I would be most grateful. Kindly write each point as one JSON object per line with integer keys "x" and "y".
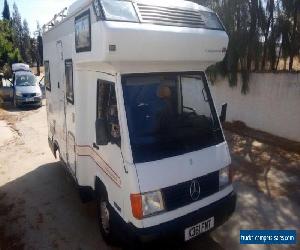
{"x": 15, "y": 103}
{"x": 105, "y": 219}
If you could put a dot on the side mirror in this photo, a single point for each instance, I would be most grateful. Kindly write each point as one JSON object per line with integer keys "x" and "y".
{"x": 223, "y": 113}
{"x": 102, "y": 137}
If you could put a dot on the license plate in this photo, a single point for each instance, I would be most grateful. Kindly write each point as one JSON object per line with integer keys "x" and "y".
{"x": 198, "y": 229}
{"x": 29, "y": 99}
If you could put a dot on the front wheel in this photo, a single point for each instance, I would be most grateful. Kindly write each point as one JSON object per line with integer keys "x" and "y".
{"x": 105, "y": 217}
{"x": 15, "y": 103}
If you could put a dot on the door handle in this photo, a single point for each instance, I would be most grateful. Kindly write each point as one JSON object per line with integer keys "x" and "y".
{"x": 95, "y": 146}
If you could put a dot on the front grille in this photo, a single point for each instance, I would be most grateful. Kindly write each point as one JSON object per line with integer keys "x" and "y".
{"x": 28, "y": 95}
{"x": 179, "y": 195}
{"x": 170, "y": 16}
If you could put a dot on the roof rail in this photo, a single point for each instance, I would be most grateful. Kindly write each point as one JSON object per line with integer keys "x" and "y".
{"x": 58, "y": 18}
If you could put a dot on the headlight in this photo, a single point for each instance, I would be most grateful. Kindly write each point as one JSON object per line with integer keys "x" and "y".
{"x": 147, "y": 204}
{"x": 18, "y": 93}
{"x": 152, "y": 203}
{"x": 224, "y": 178}
{"x": 119, "y": 11}
{"x": 38, "y": 94}
{"x": 211, "y": 20}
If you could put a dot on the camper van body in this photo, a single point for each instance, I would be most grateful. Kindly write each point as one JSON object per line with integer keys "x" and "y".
{"x": 93, "y": 68}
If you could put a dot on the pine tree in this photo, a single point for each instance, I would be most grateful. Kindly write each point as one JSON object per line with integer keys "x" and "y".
{"x": 26, "y": 45}
{"x": 6, "y": 11}
{"x": 34, "y": 53}
{"x": 253, "y": 36}
{"x": 261, "y": 32}
{"x": 8, "y": 53}
{"x": 17, "y": 27}
{"x": 40, "y": 44}
{"x": 295, "y": 32}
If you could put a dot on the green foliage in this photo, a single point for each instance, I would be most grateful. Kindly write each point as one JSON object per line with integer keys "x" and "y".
{"x": 17, "y": 28}
{"x": 26, "y": 44}
{"x": 260, "y": 33}
{"x": 39, "y": 45}
{"x": 16, "y": 45}
{"x": 8, "y": 53}
{"x": 215, "y": 71}
{"x": 7, "y": 71}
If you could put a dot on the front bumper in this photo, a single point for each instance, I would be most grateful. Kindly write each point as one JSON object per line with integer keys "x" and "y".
{"x": 221, "y": 210}
{"x": 37, "y": 100}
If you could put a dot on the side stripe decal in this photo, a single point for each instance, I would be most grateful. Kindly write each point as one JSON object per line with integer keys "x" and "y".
{"x": 87, "y": 151}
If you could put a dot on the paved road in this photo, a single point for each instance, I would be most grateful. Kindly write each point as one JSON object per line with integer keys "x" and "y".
{"x": 40, "y": 207}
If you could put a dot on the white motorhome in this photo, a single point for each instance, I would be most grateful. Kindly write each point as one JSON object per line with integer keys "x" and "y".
{"x": 131, "y": 115}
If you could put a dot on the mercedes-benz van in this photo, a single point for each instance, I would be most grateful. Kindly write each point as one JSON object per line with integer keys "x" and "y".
{"x": 131, "y": 115}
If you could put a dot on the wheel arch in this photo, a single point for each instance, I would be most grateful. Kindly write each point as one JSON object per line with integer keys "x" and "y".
{"x": 100, "y": 186}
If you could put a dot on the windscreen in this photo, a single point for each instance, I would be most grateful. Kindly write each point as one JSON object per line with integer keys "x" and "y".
{"x": 25, "y": 80}
{"x": 169, "y": 115}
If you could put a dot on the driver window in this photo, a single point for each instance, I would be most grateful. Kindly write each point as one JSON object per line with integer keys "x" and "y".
{"x": 194, "y": 97}
{"x": 107, "y": 109}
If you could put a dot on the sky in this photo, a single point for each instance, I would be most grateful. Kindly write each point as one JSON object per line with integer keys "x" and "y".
{"x": 37, "y": 10}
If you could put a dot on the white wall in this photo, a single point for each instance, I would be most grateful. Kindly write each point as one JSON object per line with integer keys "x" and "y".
{"x": 272, "y": 105}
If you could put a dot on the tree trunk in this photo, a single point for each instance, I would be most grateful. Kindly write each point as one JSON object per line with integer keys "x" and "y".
{"x": 270, "y": 24}
{"x": 252, "y": 36}
{"x": 292, "y": 52}
{"x": 285, "y": 63}
{"x": 291, "y": 63}
{"x": 278, "y": 58}
{"x": 263, "y": 63}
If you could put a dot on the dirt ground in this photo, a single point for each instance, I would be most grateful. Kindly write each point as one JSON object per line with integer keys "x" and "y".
{"x": 40, "y": 207}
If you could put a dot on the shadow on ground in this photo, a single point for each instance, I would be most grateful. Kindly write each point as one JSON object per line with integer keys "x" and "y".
{"x": 43, "y": 210}
{"x": 7, "y": 106}
{"x": 268, "y": 168}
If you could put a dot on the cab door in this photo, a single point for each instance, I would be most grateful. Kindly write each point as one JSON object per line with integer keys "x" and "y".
{"x": 107, "y": 141}
{"x": 6, "y": 91}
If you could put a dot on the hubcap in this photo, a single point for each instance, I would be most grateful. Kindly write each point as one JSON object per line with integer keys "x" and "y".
{"x": 104, "y": 216}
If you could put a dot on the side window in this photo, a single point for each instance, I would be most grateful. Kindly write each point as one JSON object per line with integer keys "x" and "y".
{"x": 47, "y": 75}
{"x": 107, "y": 109}
{"x": 103, "y": 91}
{"x": 69, "y": 81}
{"x": 192, "y": 102}
{"x": 83, "y": 32}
